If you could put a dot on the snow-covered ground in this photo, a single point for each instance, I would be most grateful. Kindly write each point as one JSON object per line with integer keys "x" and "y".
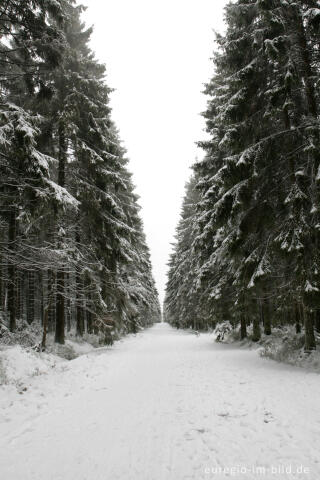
{"x": 164, "y": 405}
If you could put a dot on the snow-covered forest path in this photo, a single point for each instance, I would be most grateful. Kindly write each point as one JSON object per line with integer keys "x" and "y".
{"x": 164, "y": 405}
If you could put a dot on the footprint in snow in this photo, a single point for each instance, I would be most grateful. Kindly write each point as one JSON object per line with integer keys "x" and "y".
{"x": 201, "y": 430}
{"x": 234, "y": 415}
{"x": 223, "y": 414}
{"x": 268, "y": 417}
{"x": 188, "y": 436}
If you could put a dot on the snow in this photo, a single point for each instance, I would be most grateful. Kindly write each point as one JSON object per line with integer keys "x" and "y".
{"x": 262, "y": 269}
{"x": 310, "y": 288}
{"x": 18, "y": 364}
{"x": 62, "y": 195}
{"x": 312, "y": 13}
{"x": 162, "y": 405}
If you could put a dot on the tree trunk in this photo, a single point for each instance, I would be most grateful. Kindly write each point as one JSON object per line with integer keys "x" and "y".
{"x": 45, "y": 328}
{"x": 256, "y": 334}
{"x": 317, "y": 321}
{"x": 52, "y": 306}
{"x": 12, "y": 270}
{"x": 45, "y": 321}
{"x": 68, "y": 309}
{"x": 309, "y": 337}
{"x": 19, "y": 295}
{"x": 243, "y": 326}
{"x": 60, "y": 301}
{"x": 48, "y": 309}
{"x": 79, "y": 317}
{"x": 89, "y": 322}
{"x": 266, "y": 317}
{"x": 60, "y": 317}
{"x": 41, "y": 283}
{"x": 30, "y": 299}
{"x": 79, "y": 307}
{"x": 297, "y": 318}
{"x": 1, "y": 284}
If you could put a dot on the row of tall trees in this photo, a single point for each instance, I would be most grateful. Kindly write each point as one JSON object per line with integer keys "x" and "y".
{"x": 247, "y": 246}
{"x": 72, "y": 248}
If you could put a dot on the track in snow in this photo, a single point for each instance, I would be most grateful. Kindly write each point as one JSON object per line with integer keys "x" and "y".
{"x": 165, "y": 405}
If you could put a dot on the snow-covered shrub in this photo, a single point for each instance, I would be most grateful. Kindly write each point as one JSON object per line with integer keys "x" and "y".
{"x": 65, "y": 351}
{"x": 285, "y": 345}
{"x": 25, "y": 335}
{"x": 223, "y": 331}
{"x": 92, "y": 339}
{"x": 17, "y": 364}
{"x": 4, "y": 333}
{"x": 3, "y": 376}
{"x": 74, "y": 347}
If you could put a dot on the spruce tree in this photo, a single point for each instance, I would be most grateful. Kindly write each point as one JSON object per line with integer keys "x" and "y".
{"x": 256, "y": 234}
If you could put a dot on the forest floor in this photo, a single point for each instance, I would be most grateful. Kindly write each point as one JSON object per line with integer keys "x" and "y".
{"x": 162, "y": 405}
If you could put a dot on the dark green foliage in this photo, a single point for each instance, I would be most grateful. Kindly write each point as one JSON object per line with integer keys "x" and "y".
{"x": 255, "y": 225}
{"x": 73, "y": 253}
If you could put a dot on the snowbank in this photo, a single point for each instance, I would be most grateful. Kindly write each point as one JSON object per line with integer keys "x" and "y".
{"x": 18, "y": 364}
{"x": 283, "y": 345}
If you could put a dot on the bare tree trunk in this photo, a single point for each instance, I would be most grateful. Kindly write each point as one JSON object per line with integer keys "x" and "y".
{"x": 45, "y": 321}
{"x": 79, "y": 308}
{"x": 2, "y": 286}
{"x": 256, "y": 334}
{"x": 45, "y": 328}
{"x": 60, "y": 312}
{"x": 19, "y": 295}
{"x": 41, "y": 283}
{"x": 68, "y": 309}
{"x": 60, "y": 303}
{"x": 243, "y": 326}
{"x": 79, "y": 318}
{"x": 89, "y": 321}
{"x": 297, "y": 318}
{"x": 90, "y": 326}
{"x": 30, "y": 298}
{"x": 52, "y": 309}
{"x": 12, "y": 270}
{"x": 266, "y": 317}
{"x": 309, "y": 337}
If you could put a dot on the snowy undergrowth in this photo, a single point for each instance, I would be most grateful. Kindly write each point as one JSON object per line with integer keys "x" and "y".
{"x": 30, "y": 336}
{"x": 21, "y": 359}
{"x": 283, "y": 345}
{"x": 18, "y": 364}
{"x": 25, "y": 335}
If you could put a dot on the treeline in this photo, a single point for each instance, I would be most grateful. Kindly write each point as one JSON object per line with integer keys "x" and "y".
{"x": 73, "y": 253}
{"x": 247, "y": 246}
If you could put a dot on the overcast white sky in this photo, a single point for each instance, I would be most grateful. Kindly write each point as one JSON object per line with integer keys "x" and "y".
{"x": 157, "y": 55}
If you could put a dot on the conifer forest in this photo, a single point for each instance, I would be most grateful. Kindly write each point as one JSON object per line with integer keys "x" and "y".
{"x": 111, "y": 367}
{"x": 247, "y": 242}
{"x": 73, "y": 251}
